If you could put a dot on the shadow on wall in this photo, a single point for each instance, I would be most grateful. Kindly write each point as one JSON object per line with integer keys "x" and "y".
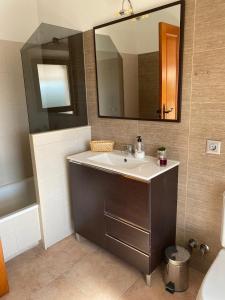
{"x": 15, "y": 160}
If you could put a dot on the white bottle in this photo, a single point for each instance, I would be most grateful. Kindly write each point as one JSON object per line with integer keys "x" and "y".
{"x": 139, "y": 149}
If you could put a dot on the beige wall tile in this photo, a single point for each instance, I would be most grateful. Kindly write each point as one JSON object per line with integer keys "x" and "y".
{"x": 208, "y": 79}
{"x": 181, "y": 214}
{"x": 206, "y": 181}
{"x": 189, "y": 24}
{"x": 210, "y": 23}
{"x": 202, "y": 230}
{"x": 187, "y": 68}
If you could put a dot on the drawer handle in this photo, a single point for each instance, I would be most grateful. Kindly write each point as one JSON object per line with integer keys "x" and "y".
{"x": 109, "y": 236}
{"x": 125, "y": 223}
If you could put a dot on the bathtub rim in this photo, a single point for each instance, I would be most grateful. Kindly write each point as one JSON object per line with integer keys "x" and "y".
{"x": 21, "y": 193}
{"x": 18, "y": 212}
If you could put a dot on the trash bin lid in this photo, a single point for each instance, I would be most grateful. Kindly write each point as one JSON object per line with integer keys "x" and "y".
{"x": 177, "y": 255}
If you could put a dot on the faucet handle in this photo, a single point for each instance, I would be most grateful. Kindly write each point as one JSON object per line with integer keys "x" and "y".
{"x": 127, "y": 149}
{"x": 204, "y": 249}
{"x": 130, "y": 148}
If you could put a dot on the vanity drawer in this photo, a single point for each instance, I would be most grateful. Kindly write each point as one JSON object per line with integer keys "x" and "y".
{"x": 128, "y": 199}
{"x": 127, "y": 233}
{"x": 132, "y": 256}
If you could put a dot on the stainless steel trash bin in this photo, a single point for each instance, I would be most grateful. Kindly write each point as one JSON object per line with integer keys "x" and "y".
{"x": 176, "y": 271}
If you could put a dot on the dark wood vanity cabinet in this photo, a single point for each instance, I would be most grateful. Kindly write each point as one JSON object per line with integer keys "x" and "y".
{"x": 132, "y": 219}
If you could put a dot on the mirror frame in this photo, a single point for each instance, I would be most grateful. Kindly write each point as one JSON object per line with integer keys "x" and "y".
{"x": 180, "y": 80}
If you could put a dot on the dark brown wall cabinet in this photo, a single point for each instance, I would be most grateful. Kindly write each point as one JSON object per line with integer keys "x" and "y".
{"x": 134, "y": 220}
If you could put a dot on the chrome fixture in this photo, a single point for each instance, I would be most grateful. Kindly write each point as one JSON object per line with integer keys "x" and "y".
{"x": 126, "y": 11}
{"x": 127, "y": 149}
{"x": 130, "y": 11}
{"x": 192, "y": 244}
{"x": 204, "y": 249}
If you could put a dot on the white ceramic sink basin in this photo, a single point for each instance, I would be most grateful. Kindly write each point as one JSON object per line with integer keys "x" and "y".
{"x": 117, "y": 160}
{"x": 143, "y": 169}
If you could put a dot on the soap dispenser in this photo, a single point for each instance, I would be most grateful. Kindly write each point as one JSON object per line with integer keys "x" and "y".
{"x": 139, "y": 148}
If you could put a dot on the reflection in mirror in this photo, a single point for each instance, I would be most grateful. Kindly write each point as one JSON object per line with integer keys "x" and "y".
{"x": 54, "y": 85}
{"x": 138, "y": 65}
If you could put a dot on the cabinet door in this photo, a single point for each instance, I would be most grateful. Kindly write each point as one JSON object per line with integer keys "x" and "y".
{"x": 87, "y": 202}
{"x": 128, "y": 199}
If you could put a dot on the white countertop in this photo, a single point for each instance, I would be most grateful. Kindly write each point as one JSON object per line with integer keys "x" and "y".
{"x": 147, "y": 169}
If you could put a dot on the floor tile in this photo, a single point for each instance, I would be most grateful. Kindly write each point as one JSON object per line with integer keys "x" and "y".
{"x": 102, "y": 276}
{"x": 157, "y": 290}
{"x": 80, "y": 270}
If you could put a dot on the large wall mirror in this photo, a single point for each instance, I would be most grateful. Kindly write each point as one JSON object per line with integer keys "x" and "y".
{"x": 138, "y": 62}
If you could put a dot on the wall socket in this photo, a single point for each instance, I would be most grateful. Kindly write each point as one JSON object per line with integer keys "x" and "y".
{"x": 213, "y": 147}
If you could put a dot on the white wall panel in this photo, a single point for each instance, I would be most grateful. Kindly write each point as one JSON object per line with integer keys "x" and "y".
{"x": 49, "y": 153}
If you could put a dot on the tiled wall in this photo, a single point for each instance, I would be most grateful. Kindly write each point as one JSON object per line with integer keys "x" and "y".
{"x": 201, "y": 176}
{"x": 206, "y": 173}
{"x": 15, "y": 161}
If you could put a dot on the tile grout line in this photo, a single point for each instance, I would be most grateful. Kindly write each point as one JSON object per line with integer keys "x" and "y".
{"x": 129, "y": 288}
{"x": 189, "y": 128}
{"x": 63, "y": 274}
{"x": 209, "y": 50}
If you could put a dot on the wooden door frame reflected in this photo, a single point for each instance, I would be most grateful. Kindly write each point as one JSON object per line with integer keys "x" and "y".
{"x": 168, "y": 32}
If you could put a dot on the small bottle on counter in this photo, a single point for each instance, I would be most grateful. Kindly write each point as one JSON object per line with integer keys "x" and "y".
{"x": 162, "y": 157}
{"x": 139, "y": 148}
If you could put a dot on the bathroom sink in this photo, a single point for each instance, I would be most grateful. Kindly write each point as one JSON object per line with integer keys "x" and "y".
{"x": 117, "y": 160}
{"x": 144, "y": 169}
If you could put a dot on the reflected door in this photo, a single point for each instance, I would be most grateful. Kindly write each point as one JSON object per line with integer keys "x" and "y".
{"x": 169, "y": 39}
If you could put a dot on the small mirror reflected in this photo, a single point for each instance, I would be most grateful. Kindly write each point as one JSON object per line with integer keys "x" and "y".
{"x": 138, "y": 66}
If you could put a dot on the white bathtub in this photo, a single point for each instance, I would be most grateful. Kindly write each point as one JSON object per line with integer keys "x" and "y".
{"x": 19, "y": 218}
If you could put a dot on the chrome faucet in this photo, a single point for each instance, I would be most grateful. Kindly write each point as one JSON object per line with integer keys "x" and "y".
{"x": 127, "y": 149}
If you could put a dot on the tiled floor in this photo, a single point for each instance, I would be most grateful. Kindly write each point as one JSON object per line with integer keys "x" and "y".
{"x": 82, "y": 271}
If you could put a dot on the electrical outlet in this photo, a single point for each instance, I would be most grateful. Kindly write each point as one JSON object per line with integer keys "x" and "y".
{"x": 213, "y": 147}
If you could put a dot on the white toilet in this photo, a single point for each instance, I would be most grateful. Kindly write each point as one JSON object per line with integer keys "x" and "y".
{"x": 213, "y": 285}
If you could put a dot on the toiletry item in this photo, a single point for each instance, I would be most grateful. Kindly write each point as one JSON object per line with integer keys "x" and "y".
{"x": 140, "y": 155}
{"x": 139, "y": 148}
{"x": 162, "y": 157}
